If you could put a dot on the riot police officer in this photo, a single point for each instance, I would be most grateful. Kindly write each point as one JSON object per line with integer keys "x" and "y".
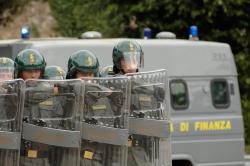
{"x": 7, "y": 157}
{"x": 56, "y": 154}
{"x": 6, "y": 73}
{"x": 84, "y": 64}
{"x": 55, "y": 111}
{"x": 54, "y": 73}
{"x": 128, "y": 58}
{"x": 97, "y": 108}
{"x": 30, "y": 64}
{"x": 6, "y": 68}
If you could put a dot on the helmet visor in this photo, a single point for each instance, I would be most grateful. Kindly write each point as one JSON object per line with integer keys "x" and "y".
{"x": 6, "y": 73}
{"x": 130, "y": 61}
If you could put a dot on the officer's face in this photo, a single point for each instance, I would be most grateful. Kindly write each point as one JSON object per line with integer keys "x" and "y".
{"x": 30, "y": 74}
{"x": 128, "y": 67}
{"x": 80, "y": 74}
{"x": 6, "y": 76}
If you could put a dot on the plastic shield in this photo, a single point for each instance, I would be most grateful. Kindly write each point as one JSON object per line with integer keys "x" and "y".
{"x": 149, "y": 125}
{"x": 51, "y": 134}
{"x": 105, "y": 122}
{"x": 11, "y": 108}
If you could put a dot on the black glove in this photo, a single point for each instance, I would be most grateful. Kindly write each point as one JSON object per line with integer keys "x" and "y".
{"x": 91, "y": 121}
{"x": 159, "y": 93}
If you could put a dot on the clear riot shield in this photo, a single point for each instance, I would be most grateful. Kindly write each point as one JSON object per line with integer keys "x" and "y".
{"x": 105, "y": 122}
{"x": 51, "y": 134}
{"x": 11, "y": 108}
{"x": 149, "y": 125}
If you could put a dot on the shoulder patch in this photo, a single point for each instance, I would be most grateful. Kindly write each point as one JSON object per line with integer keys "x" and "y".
{"x": 46, "y": 103}
{"x": 145, "y": 98}
{"x": 99, "y": 107}
{"x": 88, "y": 155}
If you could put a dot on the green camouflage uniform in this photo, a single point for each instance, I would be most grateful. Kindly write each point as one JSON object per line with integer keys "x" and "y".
{"x": 30, "y": 59}
{"x": 103, "y": 108}
{"x": 98, "y": 110}
{"x": 35, "y": 108}
{"x": 140, "y": 147}
{"x": 143, "y": 98}
{"x": 8, "y": 109}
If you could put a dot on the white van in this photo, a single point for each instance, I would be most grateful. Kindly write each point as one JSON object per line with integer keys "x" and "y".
{"x": 207, "y": 125}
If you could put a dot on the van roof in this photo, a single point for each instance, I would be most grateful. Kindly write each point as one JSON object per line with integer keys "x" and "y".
{"x": 179, "y": 57}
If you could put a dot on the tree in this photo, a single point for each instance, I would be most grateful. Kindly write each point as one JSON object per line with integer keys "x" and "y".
{"x": 7, "y": 8}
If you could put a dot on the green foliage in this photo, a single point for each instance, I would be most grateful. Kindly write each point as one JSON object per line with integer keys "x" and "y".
{"x": 247, "y": 149}
{"x": 77, "y": 16}
{"x": 34, "y": 30}
{"x": 12, "y": 6}
{"x": 218, "y": 20}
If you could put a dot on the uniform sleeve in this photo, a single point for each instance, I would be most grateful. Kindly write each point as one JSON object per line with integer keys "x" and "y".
{"x": 35, "y": 95}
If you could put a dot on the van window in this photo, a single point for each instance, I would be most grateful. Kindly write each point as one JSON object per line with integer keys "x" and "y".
{"x": 179, "y": 94}
{"x": 220, "y": 93}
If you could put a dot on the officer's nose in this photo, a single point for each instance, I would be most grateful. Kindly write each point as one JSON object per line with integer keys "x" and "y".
{"x": 131, "y": 66}
{"x": 34, "y": 74}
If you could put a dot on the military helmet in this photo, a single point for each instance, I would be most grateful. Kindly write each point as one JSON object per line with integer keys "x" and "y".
{"x": 129, "y": 51}
{"x": 6, "y": 68}
{"x": 106, "y": 71}
{"x": 29, "y": 59}
{"x": 54, "y": 73}
{"x": 6, "y": 63}
{"x": 69, "y": 63}
{"x": 84, "y": 61}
